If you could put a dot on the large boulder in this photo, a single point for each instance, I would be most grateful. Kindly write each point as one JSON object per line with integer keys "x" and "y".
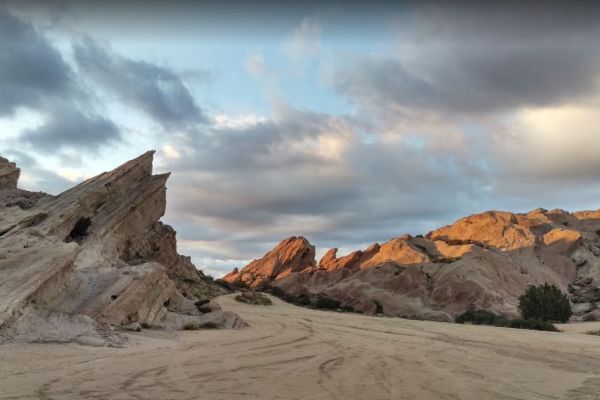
{"x": 98, "y": 250}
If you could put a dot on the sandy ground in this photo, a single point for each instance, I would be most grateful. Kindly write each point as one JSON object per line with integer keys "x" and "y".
{"x": 295, "y": 353}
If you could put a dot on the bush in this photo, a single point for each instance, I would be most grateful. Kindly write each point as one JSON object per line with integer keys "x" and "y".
{"x": 326, "y": 303}
{"x": 193, "y": 326}
{"x": 378, "y": 307}
{"x": 534, "y": 324}
{"x": 595, "y": 333}
{"x": 303, "y": 299}
{"x": 252, "y": 297}
{"x": 209, "y": 325}
{"x": 482, "y": 317}
{"x": 545, "y": 302}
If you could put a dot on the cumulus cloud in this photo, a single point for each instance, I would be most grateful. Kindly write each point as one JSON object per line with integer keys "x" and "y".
{"x": 313, "y": 174}
{"x": 156, "y": 90}
{"x": 466, "y": 109}
{"x": 34, "y": 75}
{"x": 71, "y": 128}
{"x": 32, "y": 71}
{"x": 476, "y": 59}
{"x": 551, "y": 145}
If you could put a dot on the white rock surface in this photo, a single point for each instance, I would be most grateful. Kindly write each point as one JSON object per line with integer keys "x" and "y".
{"x": 121, "y": 269}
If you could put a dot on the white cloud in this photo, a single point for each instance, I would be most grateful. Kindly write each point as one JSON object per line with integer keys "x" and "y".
{"x": 170, "y": 152}
{"x": 237, "y": 121}
{"x": 304, "y": 42}
{"x": 551, "y": 142}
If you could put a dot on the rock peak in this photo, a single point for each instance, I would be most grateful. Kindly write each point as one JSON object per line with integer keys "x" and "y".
{"x": 293, "y": 254}
{"x": 9, "y": 174}
{"x": 483, "y": 261}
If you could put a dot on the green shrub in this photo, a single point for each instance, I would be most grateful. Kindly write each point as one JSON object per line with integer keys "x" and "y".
{"x": 191, "y": 326}
{"x": 378, "y": 307}
{"x": 252, "y": 297}
{"x": 534, "y": 324}
{"x": 545, "y": 302}
{"x": 595, "y": 333}
{"x": 326, "y": 303}
{"x": 481, "y": 317}
{"x": 484, "y": 317}
{"x": 209, "y": 325}
{"x": 303, "y": 299}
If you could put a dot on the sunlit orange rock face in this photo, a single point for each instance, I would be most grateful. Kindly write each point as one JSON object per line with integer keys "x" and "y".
{"x": 294, "y": 254}
{"x": 482, "y": 261}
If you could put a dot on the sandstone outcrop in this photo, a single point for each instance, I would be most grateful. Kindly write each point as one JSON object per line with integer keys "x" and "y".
{"x": 9, "y": 174}
{"x": 294, "y": 254}
{"x": 98, "y": 254}
{"x": 482, "y": 261}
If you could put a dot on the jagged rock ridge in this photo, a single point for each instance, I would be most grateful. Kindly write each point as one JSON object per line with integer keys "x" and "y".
{"x": 482, "y": 261}
{"x": 98, "y": 253}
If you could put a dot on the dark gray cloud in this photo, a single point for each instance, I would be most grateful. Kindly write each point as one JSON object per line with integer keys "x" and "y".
{"x": 72, "y": 128}
{"x": 262, "y": 146}
{"x": 32, "y": 71}
{"x": 429, "y": 144}
{"x": 156, "y": 90}
{"x": 478, "y": 59}
{"x": 33, "y": 74}
{"x": 346, "y": 192}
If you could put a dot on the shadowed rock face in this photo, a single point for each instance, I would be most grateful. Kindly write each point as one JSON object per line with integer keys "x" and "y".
{"x": 98, "y": 250}
{"x": 482, "y": 261}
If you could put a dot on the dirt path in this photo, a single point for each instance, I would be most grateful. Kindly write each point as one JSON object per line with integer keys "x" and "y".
{"x": 295, "y": 353}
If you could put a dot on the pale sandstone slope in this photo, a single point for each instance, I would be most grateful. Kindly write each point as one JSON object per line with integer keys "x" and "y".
{"x": 124, "y": 270}
{"x": 482, "y": 261}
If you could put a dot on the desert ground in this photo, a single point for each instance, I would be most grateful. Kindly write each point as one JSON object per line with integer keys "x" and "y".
{"x": 290, "y": 352}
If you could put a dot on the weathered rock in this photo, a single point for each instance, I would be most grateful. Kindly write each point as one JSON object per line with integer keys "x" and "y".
{"x": 482, "y": 261}
{"x": 9, "y": 174}
{"x": 294, "y": 254}
{"x": 98, "y": 250}
{"x": 253, "y": 297}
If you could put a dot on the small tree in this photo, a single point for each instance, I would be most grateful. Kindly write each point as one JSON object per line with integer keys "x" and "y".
{"x": 545, "y": 302}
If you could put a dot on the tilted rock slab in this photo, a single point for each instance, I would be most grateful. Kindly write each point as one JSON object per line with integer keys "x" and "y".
{"x": 121, "y": 269}
{"x": 485, "y": 261}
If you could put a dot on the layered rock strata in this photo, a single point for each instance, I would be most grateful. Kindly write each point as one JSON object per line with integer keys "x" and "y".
{"x": 485, "y": 261}
{"x": 98, "y": 254}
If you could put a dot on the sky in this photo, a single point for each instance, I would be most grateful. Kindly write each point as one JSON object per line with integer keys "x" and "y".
{"x": 345, "y": 123}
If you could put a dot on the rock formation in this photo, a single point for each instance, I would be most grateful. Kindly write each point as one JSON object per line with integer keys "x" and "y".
{"x": 95, "y": 256}
{"x": 483, "y": 261}
{"x": 9, "y": 174}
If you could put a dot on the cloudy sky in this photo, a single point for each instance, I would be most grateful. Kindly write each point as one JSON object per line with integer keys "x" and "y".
{"x": 344, "y": 123}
